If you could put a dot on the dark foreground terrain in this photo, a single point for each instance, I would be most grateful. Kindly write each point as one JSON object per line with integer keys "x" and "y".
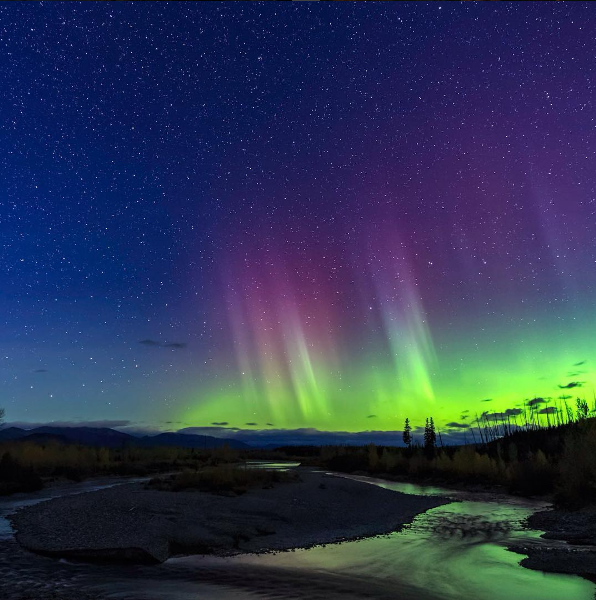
{"x": 135, "y": 524}
{"x": 578, "y": 529}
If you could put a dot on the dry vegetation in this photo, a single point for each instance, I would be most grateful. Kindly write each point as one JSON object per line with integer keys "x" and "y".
{"x": 229, "y": 479}
{"x": 26, "y": 466}
{"x": 558, "y": 460}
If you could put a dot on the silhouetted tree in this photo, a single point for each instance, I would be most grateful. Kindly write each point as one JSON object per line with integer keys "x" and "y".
{"x": 432, "y": 433}
{"x": 582, "y": 409}
{"x": 407, "y": 435}
{"x": 430, "y": 436}
{"x": 569, "y": 412}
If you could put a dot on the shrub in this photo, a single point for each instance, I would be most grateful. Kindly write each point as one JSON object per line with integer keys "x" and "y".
{"x": 348, "y": 463}
{"x": 535, "y": 475}
{"x": 15, "y": 478}
{"x": 225, "y": 479}
{"x": 577, "y": 468}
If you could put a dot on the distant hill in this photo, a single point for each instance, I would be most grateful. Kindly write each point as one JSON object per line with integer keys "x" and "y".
{"x": 110, "y": 438}
{"x": 275, "y": 446}
{"x": 45, "y": 438}
{"x": 12, "y": 433}
{"x": 90, "y": 436}
{"x": 186, "y": 440}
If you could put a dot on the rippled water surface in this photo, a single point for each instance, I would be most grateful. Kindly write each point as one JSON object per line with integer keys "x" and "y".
{"x": 456, "y": 551}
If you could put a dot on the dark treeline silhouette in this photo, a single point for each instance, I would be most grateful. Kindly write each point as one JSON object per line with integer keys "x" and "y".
{"x": 535, "y": 415}
{"x": 407, "y": 434}
{"x": 546, "y": 446}
{"x": 533, "y": 451}
{"x": 27, "y": 465}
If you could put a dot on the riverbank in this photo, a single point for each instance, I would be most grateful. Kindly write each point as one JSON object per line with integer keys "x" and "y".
{"x": 454, "y": 552}
{"x": 577, "y": 529}
{"x": 573, "y": 532}
{"x": 438, "y": 482}
{"x": 133, "y": 524}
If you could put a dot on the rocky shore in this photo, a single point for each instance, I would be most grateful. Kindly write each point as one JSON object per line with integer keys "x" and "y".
{"x": 133, "y": 524}
{"x": 577, "y": 529}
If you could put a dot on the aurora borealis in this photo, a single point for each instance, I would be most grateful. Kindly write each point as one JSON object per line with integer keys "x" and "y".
{"x": 310, "y": 215}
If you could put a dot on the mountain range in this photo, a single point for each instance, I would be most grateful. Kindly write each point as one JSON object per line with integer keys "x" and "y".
{"x": 110, "y": 438}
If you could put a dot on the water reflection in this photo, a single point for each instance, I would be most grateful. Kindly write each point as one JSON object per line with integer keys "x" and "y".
{"x": 270, "y": 465}
{"x": 457, "y": 551}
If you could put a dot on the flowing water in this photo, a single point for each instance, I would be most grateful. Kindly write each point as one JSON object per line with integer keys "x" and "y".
{"x": 456, "y": 551}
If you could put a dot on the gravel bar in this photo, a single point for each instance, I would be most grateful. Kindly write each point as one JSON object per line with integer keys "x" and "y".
{"x": 130, "y": 523}
{"x": 577, "y": 529}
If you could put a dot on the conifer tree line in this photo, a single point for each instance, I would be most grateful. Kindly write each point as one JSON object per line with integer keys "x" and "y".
{"x": 407, "y": 435}
{"x": 430, "y": 434}
{"x": 490, "y": 427}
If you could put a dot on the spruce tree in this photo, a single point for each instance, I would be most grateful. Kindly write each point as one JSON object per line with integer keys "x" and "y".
{"x": 432, "y": 433}
{"x": 427, "y": 443}
{"x": 430, "y": 438}
{"x": 407, "y": 435}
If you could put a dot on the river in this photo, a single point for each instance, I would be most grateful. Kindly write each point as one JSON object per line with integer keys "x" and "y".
{"x": 456, "y": 551}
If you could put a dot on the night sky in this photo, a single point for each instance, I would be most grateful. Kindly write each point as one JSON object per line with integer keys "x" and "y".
{"x": 273, "y": 216}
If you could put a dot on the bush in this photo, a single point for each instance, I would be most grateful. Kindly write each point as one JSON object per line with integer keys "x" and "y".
{"x": 469, "y": 465}
{"x": 15, "y": 478}
{"x": 577, "y": 468}
{"x": 227, "y": 479}
{"x": 533, "y": 476}
{"x": 348, "y": 463}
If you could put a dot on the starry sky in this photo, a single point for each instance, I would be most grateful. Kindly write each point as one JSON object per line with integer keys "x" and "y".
{"x": 259, "y": 217}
